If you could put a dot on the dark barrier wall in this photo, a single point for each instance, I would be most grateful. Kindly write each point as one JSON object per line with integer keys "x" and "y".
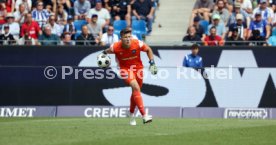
{"x": 63, "y": 55}
{"x": 23, "y": 82}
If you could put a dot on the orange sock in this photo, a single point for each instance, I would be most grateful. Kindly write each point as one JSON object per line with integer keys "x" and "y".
{"x": 132, "y": 104}
{"x": 139, "y": 101}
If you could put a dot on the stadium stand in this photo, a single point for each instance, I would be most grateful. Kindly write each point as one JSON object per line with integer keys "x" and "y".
{"x": 66, "y": 18}
{"x": 241, "y": 16}
{"x": 239, "y": 22}
{"x": 139, "y": 28}
{"x": 119, "y": 25}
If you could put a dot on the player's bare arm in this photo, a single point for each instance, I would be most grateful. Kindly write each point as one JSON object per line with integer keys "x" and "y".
{"x": 108, "y": 51}
{"x": 149, "y": 53}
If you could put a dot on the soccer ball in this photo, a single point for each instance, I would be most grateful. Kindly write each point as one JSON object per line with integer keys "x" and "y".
{"x": 103, "y": 61}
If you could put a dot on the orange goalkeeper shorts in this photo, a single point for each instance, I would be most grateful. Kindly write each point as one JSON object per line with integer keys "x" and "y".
{"x": 130, "y": 75}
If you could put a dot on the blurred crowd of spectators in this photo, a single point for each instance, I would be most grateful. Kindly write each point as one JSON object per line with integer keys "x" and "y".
{"x": 51, "y": 22}
{"x": 233, "y": 22}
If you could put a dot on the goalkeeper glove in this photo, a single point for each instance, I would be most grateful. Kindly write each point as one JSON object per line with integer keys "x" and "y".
{"x": 153, "y": 67}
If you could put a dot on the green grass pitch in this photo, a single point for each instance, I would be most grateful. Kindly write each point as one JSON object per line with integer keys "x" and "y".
{"x": 116, "y": 131}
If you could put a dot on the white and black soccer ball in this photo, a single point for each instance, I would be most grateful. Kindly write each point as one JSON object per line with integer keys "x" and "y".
{"x": 103, "y": 61}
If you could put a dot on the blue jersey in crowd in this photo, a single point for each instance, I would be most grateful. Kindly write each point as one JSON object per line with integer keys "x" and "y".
{"x": 261, "y": 26}
{"x": 192, "y": 61}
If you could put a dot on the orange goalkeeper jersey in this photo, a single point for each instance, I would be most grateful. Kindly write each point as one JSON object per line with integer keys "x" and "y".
{"x": 127, "y": 57}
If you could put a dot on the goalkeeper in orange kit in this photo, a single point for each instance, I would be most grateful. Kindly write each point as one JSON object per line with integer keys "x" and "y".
{"x": 127, "y": 52}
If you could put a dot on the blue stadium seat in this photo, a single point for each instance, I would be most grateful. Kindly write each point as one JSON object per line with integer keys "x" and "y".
{"x": 119, "y": 25}
{"x": 78, "y": 24}
{"x": 139, "y": 27}
{"x": 205, "y": 25}
{"x": 139, "y": 36}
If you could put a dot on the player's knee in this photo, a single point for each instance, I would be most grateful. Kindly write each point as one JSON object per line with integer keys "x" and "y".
{"x": 136, "y": 88}
{"x": 134, "y": 85}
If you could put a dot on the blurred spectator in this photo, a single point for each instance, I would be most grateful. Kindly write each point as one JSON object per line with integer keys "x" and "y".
{"x": 47, "y": 38}
{"x": 192, "y": 36}
{"x": 261, "y": 25}
{"x": 31, "y": 27}
{"x": 229, "y": 5}
{"x": 132, "y": 2}
{"x": 81, "y": 8}
{"x": 109, "y": 37}
{"x": 26, "y": 3}
{"x": 220, "y": 28}
{"x": 213, "y": 39}
{"x": 27, "y": 40}
{"x": 95, "y": 28}
{"x": 103, "y": 14}
{"x": 203, "y": 9}
{"x": 240, "y": 25}
{"x": 199, "y": 29}
{"x": 107, "y": 4}
{"x": 256, "y": 39}
{"x": 85, "y": 38}
{"x": 238, "y": 10}
{"x": 274, "y": 18}
{"x": 66, "y": 39}
{"x": 51, "y": 9}
{"x": 69, "y": 27}
{"x": 66, "y": 4}
{"x": 46, "y": 3}
{"x": 61, "y": 14}
{"x": 255, "y": 3}
{"x": 40, "y": 15}
{"x": 222, "y": 11}
{"x": 6, "y": 38}
{"x": 10, "y": 5}
{"x": 267, "y": 13}
{"x": 20, "y": 14}
{"x": 193, "y": 60}
{"x": 56, "y": 29}
{"x": 272, "y": 39}
{"x": 13, "y": 26}
{"x": 93, "y": 3}
{"x": 122, "y": 10}
{"x": 3, "y": 12}
{"x": 234, "y": 39}
{"x": 144, "y": 10}
{"x": 246, "y": 5}
{"x": 274, "y": 5}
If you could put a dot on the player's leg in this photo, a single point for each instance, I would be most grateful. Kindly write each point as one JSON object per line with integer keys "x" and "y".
{"x": 132, "y": 110}
{"x": 128, "y": 76}
{"x": 132, "y": 105}
{"x": 137, "y": 96}
{"x": 139, "y": 77}
{"x": 139, "y": 101}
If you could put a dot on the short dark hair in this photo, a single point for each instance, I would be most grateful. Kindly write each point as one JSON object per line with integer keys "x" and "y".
{"x": 219, "y": 1}
{"x": 194, "y": 46}
{"x": 125, "y": 31}
{"x": 213, "y": 27}
{"x": 64, "y": 34}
